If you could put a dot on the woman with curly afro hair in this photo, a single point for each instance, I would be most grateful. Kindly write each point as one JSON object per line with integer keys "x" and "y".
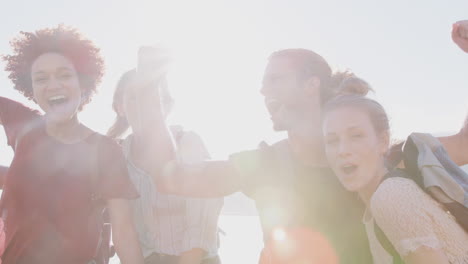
{"x": 63, "y": 174}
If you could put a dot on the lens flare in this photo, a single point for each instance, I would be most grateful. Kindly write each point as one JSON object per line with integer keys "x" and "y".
{"x": 298, "y": 246}
{"x": 279, "y": 234}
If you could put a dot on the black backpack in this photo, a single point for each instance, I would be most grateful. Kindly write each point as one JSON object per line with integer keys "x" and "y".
{"x": 383, "y": 240}
{"x": 408, "y": 153}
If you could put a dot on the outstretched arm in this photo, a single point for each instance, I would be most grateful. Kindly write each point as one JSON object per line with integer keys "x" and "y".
{"x": 206, "y": 179}
{"x": 152, "y": 144}
{"x": 154, "y": 151}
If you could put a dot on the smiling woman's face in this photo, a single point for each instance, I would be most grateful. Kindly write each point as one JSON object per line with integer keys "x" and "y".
{"x": 56, "y": 87}
{"x": 354, "y": 150}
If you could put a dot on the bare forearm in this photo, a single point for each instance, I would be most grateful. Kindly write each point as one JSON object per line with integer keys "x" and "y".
{"x": 456, "y": 147}
{"x": 127, "y": 246}
{"x": 194, "y": 256}
{"x": 152, "y": 141}
{"x": 124, "y": 235}
{"x": 153, "y": 148}
{"x": 3, "y": 171}
{"x": 206, "y": 180}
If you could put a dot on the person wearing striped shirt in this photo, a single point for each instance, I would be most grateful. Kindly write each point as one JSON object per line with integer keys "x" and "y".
{"x": 171, "y": 229}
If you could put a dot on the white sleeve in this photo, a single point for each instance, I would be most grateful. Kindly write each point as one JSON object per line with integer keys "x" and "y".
{"x": 399, "y": 207}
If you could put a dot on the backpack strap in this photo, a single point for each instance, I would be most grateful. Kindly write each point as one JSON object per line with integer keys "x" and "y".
{"x": 383, "y": 239}
{"x": 453, "y": 180}
{"x": 387, "y": 245}
{"x": 410, "y": 158}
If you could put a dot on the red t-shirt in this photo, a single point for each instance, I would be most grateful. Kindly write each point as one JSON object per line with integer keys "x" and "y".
{"x": 52, "y": 188}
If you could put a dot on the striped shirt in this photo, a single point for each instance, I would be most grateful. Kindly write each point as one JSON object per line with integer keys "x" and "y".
{"x": 169, "y": 224}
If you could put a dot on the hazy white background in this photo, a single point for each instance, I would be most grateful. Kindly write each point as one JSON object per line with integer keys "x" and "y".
{"x": 402, "y": 48}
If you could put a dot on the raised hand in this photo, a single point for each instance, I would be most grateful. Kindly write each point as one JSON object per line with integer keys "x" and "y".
{"x": 460, "y": 34}
{"x": 153, "y": 62}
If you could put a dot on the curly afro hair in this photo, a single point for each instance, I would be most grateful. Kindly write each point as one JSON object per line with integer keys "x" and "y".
{"x": 64, "y": 40}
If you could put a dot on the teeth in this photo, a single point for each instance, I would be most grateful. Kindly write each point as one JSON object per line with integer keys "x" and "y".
{"x": 348, "y": 168}
{"x": 57, "y": 97}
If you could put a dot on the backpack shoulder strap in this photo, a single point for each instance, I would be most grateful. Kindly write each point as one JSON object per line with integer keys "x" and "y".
{"x": 381, "y": 237}
{"x": 387, "y": 245}
{"x": 437, "y": 174}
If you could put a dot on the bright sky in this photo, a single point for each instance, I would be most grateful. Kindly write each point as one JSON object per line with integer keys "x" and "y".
{"x": 402, "y": 48}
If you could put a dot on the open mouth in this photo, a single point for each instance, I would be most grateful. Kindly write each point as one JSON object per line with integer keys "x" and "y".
{"x": 273, "y": 106}
{"x": 57, "y": 100}
{"x": 348, "y": 169}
